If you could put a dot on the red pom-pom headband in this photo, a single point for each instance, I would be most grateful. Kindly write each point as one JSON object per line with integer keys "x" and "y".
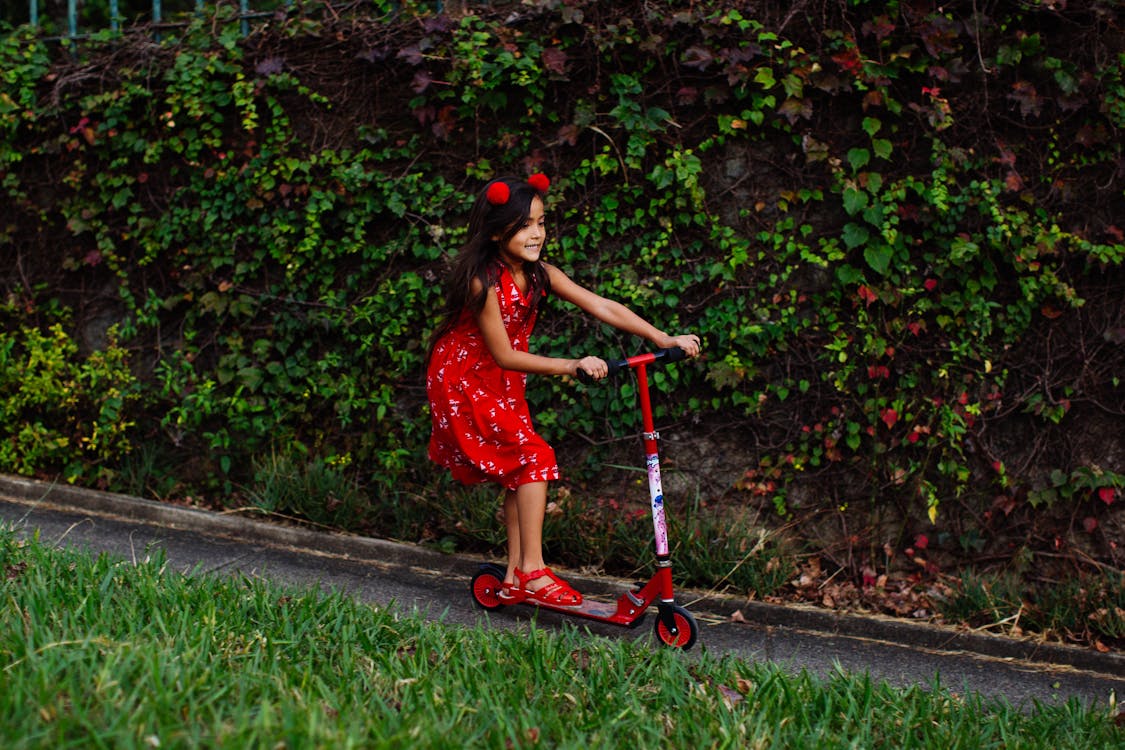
{"x": 499, "y": 192}
{"x": 539, "y": 181}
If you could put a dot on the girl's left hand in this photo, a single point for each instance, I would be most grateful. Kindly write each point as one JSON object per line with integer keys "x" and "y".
{"x": 689, "y": 342}
{"x": 595, "y": 367}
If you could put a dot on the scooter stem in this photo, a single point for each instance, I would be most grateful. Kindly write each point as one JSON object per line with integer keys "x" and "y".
{"x": 652, "y": 462}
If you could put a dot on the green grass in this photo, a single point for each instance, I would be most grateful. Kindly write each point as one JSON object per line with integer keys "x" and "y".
{"x": 104, "y": 652}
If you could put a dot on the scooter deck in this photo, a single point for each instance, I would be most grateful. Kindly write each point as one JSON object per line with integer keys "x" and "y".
{"x": 628, "y": 609}
{"x": 622, "y": 612}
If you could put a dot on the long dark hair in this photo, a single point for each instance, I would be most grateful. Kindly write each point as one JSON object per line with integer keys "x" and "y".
{"x": 477, "y": 258}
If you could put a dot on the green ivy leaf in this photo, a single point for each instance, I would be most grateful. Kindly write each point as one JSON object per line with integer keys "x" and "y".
{"x": 765, "y": 77}
{"x": 855, "y": 235}
{"x": 848, "y": 275}
{"x": 878, "y": 257}
{"x": 854, "y": 200}
{"x": 882, "y": 147}
{"x": 858, "y": 157}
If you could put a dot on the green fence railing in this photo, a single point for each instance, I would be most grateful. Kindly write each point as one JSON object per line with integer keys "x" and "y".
{"x": 68, "y": 22}
{"x": 114, "y": 14}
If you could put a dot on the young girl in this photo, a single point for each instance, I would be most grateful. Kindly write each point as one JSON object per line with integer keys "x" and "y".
{"x": 478, "y": 365}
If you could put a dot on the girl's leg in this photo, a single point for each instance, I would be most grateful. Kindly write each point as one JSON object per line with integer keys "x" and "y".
{"x": 524, "y": 510}
{"x": 512, "y": 522}
{"x": 531, "y": 507}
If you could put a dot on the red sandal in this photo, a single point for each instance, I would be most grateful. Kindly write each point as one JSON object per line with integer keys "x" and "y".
{"x": 557, "y": 593}
{"x": 511, "y": 593}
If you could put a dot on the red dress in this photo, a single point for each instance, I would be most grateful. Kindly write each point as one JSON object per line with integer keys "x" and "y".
{"x": 482, "y": 430}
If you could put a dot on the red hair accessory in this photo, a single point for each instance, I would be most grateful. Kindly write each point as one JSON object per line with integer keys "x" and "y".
{"x": 498, "y": 193}
{"x": 539, "y": 181}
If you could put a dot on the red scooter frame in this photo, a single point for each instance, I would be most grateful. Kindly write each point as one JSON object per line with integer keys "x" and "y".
{"x": 675, "y": 626}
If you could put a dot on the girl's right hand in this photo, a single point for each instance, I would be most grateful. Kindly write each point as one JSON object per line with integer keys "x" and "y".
{"x": 595, "y": 367}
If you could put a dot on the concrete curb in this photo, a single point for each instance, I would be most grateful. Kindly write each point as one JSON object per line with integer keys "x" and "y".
{"x": 353, "y": 547}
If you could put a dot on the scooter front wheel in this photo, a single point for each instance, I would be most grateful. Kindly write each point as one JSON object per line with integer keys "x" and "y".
{"x": 676, "y": 627}
{"x": 486, "y": 585}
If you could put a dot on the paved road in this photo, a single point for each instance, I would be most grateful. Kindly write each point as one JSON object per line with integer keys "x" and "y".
{"x": 903, "y": 654}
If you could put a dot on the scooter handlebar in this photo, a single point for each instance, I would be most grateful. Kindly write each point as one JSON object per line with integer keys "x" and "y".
{"x": 661, "y": 356}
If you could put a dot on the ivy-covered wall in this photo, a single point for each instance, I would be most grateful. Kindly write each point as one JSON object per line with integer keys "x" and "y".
{"x": 898, "y": 228}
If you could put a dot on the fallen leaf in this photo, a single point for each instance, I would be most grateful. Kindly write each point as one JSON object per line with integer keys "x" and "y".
{"x": 730, "y": 696}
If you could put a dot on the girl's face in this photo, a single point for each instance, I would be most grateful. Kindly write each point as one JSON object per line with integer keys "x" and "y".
{"x": 527, "y": 243}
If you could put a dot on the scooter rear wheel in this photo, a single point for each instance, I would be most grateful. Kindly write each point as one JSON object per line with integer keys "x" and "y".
{"x": 486, "y": 585}
{"x": 686, "y": 630}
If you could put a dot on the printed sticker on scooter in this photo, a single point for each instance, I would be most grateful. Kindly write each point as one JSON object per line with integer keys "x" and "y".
{"x": 654, "y": 488}
{"x": 656, "y": 492}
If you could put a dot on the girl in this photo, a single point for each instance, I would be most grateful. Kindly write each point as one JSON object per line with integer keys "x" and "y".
{"x": 478, "y": 367}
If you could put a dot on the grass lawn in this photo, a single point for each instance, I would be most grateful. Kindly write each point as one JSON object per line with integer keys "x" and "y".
{"x": 104, "y": 652}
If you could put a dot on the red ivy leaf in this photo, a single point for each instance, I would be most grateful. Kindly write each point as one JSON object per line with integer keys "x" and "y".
{"x": 421, "y": 82}
{"x": 876, "y": 372}
{"x": 880, "y": 26}
{"x": 1107, "y": 495}
{"x": 569, "y": 134}
{"x": 889, "y": 417}
{"x": 849, "y": 60}
{"x": 940, "y": 37}
{"x": 554, "y": 60}
{"x": 792, "y": 109}
{"x": 1049, "y": 312}
{"x": 445, "y": 122}
{"x": 1090, "y": 524}
{"x": 412, "y": 55}
{"x": 697, "y": 57}
{"x": 1025, "y": 95}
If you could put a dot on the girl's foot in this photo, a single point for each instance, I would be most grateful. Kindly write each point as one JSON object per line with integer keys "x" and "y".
{"x": 553, "y": 591}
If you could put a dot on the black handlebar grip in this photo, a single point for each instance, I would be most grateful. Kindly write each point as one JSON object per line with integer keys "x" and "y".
{"x": 673, "y": 354}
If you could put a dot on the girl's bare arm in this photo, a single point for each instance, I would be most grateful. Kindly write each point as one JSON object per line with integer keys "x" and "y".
{"x": 496, "y": 340}
{"x": 616, "y": 314}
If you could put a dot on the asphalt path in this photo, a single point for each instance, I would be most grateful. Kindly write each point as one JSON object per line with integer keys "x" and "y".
{"x": 436, "y": 585}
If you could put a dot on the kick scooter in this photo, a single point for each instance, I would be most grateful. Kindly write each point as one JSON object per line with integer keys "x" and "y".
{"x": 674, "y": 626}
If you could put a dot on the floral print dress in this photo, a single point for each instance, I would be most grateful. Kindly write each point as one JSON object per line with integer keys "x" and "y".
{"x": 482, "y": 430}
